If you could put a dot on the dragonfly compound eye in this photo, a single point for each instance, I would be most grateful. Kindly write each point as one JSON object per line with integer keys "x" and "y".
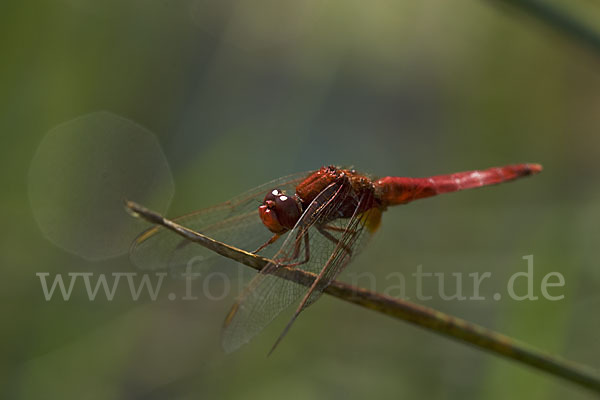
{"x": 279, "y": 212}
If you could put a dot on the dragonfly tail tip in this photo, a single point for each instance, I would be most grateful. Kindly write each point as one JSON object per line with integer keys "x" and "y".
{"x": 535, "y": 168}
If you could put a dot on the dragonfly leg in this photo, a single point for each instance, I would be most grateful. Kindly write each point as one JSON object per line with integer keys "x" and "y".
{"x": 329, "y": 236}
{"x": 297, "y": 252}
{"x": 269, "y": 242}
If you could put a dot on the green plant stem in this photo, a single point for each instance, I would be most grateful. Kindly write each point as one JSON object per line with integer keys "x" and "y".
{"x": 557, "y": 19}
{"x": 419, "y": 315}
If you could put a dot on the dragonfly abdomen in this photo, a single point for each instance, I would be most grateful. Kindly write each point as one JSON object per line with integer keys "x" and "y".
{"x": 394, "y": 190}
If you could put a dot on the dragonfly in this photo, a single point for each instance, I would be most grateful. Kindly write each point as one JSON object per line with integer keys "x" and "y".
{"x": 314, "y": 221}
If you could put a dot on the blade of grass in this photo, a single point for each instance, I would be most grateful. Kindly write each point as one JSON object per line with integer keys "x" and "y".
{"x": 419, "y": 315}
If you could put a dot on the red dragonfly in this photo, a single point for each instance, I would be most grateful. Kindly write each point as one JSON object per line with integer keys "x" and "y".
{"x": 323, "y": 219}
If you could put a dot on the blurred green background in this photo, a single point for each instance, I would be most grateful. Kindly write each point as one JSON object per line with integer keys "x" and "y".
{"x": 241, "y": 92}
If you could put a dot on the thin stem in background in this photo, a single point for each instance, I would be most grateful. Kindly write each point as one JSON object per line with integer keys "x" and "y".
{"x": 419, "y": 315}
{"x": 558, "y": 19}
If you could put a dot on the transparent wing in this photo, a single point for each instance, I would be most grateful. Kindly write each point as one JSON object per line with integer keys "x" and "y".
{"x": 328, "y": 241}
{"x": 350, "y": 241}
{"x": 235, "y": 222}
{"x": 347, "y": 244}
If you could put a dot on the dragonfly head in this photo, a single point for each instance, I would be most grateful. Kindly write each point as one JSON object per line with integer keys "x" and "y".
{"x": 279, "y": 212}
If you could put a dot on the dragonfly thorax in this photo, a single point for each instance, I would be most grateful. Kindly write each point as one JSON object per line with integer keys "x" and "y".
{"x": 280, "y": 212}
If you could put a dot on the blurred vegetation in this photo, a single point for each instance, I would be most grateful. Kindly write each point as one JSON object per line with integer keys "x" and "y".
{"x": 241, "y": 92}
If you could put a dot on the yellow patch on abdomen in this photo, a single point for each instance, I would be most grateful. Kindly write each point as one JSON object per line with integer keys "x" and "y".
{"x": 372, "y": 219}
